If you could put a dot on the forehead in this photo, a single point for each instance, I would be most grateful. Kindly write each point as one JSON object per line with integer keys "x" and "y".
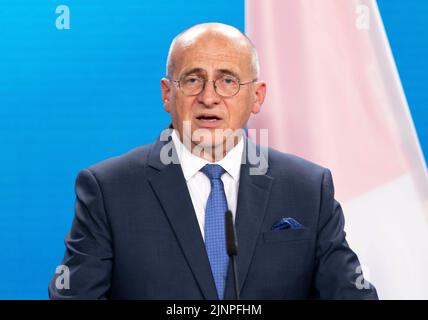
{"x": 214, "y": 55}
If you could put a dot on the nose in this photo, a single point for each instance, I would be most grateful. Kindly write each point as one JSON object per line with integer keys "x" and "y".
{"x": 209, "y": 97}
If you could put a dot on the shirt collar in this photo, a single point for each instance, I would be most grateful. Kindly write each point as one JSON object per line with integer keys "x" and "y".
{"x": 191, "y": 164}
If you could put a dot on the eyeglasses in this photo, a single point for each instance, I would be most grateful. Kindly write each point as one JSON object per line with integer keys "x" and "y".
{"x": 226, "y": 86}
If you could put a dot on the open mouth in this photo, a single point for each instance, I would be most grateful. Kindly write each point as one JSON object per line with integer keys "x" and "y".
{"x": 210, "y": 118}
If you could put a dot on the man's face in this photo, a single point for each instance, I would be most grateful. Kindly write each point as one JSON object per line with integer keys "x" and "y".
{"x": 210, "y": 58}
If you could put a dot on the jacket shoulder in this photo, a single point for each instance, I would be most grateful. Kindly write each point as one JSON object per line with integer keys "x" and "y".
{"x": 128, "y": 163}
{"x": 286, "y": 164}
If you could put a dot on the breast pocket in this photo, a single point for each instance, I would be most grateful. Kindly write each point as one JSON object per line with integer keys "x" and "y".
{"x": 287, "y": 235}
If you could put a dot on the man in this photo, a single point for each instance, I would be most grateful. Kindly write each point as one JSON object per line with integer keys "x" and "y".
{"x": 149, "y": 228}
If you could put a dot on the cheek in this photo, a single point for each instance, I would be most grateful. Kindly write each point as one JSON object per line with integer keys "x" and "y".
{"x": 239, "y": 114}
{"x": 182, "y": 108}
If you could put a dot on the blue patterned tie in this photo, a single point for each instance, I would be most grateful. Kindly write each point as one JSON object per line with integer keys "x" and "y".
{"x": 215, "y": 242}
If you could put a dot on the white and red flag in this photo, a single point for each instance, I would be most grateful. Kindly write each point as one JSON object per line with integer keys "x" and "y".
{"x": 335, "y": 97}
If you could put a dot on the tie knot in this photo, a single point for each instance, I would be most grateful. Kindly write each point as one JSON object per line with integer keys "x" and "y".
{"x": 213, "y": 171}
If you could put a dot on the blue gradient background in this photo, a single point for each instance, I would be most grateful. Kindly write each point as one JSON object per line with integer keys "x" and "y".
{"x": 71, "y": 98}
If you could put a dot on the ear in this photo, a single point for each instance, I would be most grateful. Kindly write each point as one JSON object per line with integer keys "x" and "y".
{"x": 259, "y": 96}
{"x": 166, "y": 90}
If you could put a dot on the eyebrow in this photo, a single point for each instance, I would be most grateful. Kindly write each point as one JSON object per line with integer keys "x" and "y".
{"x": 193, "y": 70}
{"x": 202, "y": 71}
{"x": 229, "y": 72}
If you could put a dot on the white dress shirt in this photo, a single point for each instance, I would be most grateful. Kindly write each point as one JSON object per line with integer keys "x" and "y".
{"x": 198, "y": 183}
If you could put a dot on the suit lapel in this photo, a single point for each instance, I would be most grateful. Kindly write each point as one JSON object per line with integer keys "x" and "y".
{"x": 253, "y": 196}
{"x": 170, "y": 187}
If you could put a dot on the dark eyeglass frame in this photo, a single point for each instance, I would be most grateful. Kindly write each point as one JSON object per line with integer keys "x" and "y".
{"x": 215, "y": 87}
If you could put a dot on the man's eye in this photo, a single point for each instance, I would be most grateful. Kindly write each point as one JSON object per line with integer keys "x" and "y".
{"x": 229, "y": 80}
{"x": 192, "y": 80}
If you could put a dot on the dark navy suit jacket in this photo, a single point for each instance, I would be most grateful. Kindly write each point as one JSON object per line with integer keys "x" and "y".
{"x": 135, "y": 234}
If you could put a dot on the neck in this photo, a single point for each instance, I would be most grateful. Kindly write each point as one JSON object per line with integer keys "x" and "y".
{"x": 208, "y": 151}
{"x": 212, "y": 153}
{"x": 217, "y": 152}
